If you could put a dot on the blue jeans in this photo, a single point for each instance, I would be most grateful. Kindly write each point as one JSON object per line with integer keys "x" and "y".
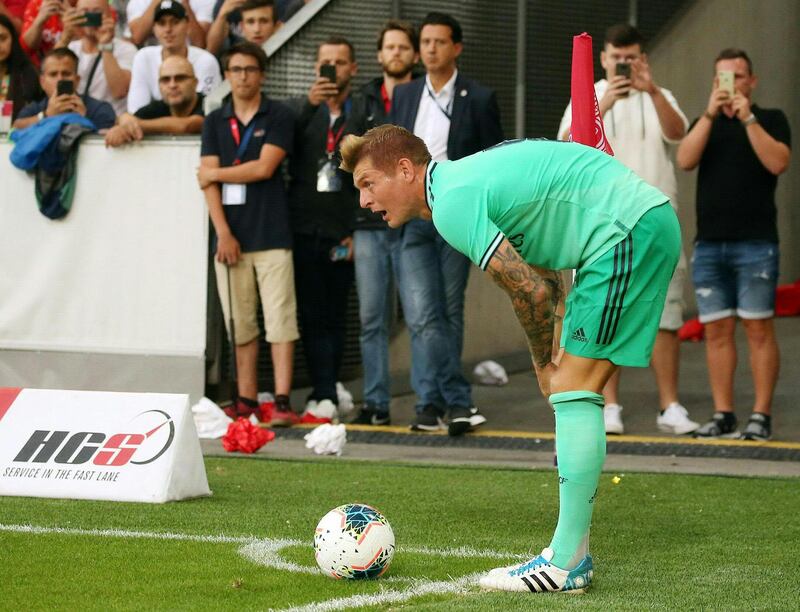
{"x": 736, "y": 278}
{"x": 436, "y": 375}
{"x": 376, "y": 300}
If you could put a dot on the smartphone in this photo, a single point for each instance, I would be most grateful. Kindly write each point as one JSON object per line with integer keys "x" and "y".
{"x": 339, "y": 253}
{"x": 65, "y": 88}
{"x": 94, "y": 19}
{"x": 328, "y": 71}
{"x": 623, "y": 69}
{"x": 725, "y": 80}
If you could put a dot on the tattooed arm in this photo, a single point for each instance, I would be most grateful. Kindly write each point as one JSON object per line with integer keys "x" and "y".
{"x": 535, "y": 293}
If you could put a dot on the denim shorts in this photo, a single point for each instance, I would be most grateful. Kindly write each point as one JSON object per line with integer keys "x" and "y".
{"x": 736, "y": 278}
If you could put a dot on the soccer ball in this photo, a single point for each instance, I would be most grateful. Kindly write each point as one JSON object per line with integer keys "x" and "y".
{"x": 354, "y": 541}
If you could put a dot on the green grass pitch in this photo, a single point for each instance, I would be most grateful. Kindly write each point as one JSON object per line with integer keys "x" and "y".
{"x": 660, "y": 542}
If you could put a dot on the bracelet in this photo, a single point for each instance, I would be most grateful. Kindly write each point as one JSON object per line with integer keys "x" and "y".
{"x": 708, "y": 115}
{"x": 750, "y": 120}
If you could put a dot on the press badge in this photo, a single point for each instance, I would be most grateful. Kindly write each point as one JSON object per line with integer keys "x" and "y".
{"x": 234, "y": 194}
{"x": 328, "y": 179}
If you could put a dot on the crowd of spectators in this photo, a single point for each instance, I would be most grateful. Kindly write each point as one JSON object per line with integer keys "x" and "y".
{"x": 296, "y": 241}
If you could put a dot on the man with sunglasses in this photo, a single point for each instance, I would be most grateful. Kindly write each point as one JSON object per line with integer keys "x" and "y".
{"x": 180, "y": 111}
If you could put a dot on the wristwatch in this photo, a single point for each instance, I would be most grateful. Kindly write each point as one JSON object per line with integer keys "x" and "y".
{"x": 40, "y": 115}
{"x": 750, "y": 120}
{"x": 106, "y": 47}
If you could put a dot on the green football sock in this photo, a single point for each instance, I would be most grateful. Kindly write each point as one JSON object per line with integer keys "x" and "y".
{"x": 581, "y": 450}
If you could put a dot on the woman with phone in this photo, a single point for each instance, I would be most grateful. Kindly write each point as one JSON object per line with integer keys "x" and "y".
{"x": 19, "y": 82}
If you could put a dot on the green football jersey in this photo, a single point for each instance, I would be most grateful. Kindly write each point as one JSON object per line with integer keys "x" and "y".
{"x": 560, "y": 204}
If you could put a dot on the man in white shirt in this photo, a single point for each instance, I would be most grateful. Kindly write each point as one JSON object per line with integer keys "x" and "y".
{"x": 104, "y": 60}
{"x": 642, "y": 122}
{"x": 141, "y": 20}
{"x": 170, "y": 28}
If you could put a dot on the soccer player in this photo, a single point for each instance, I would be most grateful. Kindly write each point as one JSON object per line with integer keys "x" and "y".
{"x": 522, "y": 210}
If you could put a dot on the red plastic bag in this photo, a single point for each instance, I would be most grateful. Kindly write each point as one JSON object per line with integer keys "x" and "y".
{"x": 692, "y": 330}
{"x": 245, "y": 437}
{"x": 787, "y": 300}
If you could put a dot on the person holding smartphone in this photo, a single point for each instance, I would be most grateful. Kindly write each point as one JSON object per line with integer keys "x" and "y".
{"x": 60, "y": 81}
{"x": 642, "y": 123}
{"x": 323, "y": 202}
{"x": 740, "y": 150}
{"x": 104, "y": 60}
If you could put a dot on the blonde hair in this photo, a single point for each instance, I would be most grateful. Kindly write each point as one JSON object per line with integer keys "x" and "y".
{"x": 384, "y": 145}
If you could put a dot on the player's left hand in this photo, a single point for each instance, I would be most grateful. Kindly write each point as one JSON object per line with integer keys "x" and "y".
{"x": 741, "y": 106}
{"x": 642, "y": 76}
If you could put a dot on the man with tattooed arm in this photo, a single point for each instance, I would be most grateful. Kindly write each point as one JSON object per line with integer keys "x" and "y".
{"x": 521, "y": 211}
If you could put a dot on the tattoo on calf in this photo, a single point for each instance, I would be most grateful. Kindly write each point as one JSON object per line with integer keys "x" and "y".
{"x": 534, "y": 294}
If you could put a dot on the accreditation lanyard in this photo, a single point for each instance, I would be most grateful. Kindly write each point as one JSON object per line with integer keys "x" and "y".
{"x": 241, "y": 143}
{"x": 333, "y": 140}
{"x": 447, "y": 110}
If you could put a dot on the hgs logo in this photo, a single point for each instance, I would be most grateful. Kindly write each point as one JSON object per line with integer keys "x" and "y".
{"x": 117, "y": 451}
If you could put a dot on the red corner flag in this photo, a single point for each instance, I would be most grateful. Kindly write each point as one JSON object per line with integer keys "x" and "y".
{"x": 587, "y": 124}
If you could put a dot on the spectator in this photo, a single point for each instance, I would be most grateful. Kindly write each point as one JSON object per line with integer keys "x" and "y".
{"x": 180, "y": 110}
{"x": 323, "y": 202}
{"x": 142, "y": 17}
{"x": 237, "y": 20}
{"x": 372, "y": 241}
{"x": 104, "y": 61}
{"x": 642, "y": 121}
{"x": 741, "y": 149}
{"x": 170, "y": 28}
{"x": 62, "y": 65}
{"x": 455, "y": 116}
{"x": 14, "y": 10}
{"x": 43, "y": 24}
{"x": 19, "y": 83}
{"x": 243, "y": 145}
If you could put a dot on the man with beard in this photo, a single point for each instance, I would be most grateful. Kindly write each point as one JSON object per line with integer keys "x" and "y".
{"x": 180, "y": 110}
{"x": 398, "y": 52}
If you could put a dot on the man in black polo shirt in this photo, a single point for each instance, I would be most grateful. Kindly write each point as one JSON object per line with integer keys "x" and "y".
{"x": 180, "y": 110}
{"x": 740, "y": 149}
{"x": 243, "y": 145}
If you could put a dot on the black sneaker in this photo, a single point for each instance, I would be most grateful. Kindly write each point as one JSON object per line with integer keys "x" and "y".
{"x": 427, "y": 419}
{"x": 368, "y": 415}
{"x": 721, "y": 425}
{"x": 759, "y": 427}
{"x": 463, "y": 420}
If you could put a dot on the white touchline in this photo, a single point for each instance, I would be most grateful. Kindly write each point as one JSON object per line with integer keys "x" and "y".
{"x": 266, "y": 552}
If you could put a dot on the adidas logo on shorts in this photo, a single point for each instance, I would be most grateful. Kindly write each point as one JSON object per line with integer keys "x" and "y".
{"x": 579, "y": 335}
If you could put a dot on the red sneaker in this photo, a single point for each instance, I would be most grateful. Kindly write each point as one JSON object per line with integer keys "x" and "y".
{"x": 284, "y": 418}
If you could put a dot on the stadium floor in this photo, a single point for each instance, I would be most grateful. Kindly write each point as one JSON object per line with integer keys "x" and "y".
{"x": 519, "y": 430}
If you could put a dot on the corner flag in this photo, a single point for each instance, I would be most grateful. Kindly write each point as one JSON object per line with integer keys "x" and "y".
{"x": 587, "y": 124}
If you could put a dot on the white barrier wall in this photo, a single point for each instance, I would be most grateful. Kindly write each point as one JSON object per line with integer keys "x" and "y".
{"x": 113, "y": 296}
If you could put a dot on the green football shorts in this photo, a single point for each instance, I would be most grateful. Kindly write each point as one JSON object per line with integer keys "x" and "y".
{"x": 616, "y": 302}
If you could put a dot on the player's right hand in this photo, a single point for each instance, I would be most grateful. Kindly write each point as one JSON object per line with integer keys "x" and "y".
{"x": 544, "y": 376}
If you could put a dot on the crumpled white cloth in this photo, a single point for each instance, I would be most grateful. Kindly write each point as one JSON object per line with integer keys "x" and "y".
{"x": 345, "y": 399}
{"x": 490, "y": 373}
{"x": 327, "y": 439}
{"x": 209, "y": 419}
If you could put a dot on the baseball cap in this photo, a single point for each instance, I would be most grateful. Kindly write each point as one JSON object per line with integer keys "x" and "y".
{"x": 170, "y": 7}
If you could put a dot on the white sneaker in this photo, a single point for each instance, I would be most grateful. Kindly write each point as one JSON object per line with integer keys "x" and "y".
{"x": 675, "y": 420}
{"x": 539, "y": 576}
{"x": 612, "y": 415}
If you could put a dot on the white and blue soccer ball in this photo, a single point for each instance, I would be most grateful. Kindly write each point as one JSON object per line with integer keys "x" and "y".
{"x": 354, "y": 541}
